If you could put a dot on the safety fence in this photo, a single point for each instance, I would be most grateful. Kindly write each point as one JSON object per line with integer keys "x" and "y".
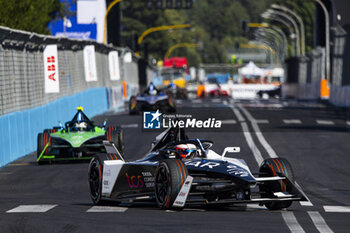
{"x": 44, "y": 78}
{"x": 305, "y": 73}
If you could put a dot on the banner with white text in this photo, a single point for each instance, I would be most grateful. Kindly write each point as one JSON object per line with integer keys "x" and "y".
{"x": 114, "y": 71}
{"x": 90, "y": 63}
{"x": 52, "y": 84}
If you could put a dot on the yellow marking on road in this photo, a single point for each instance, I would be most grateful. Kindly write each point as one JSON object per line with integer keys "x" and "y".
{"x": 19, "y": 164}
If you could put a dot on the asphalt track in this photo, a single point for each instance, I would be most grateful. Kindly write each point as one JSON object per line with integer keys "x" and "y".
{"x": 313, "y": 137}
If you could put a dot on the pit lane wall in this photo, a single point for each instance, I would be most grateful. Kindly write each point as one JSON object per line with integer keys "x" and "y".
{"x": 26, "y": 105}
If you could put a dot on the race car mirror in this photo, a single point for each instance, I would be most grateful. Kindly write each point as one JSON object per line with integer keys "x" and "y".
{"x": 231, "y": 150}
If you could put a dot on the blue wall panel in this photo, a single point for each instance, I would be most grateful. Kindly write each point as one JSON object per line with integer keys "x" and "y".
{"x": 19, "y": 130}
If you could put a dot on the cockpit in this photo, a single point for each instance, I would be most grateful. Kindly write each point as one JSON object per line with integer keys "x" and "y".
{"x": 80, "y": 122}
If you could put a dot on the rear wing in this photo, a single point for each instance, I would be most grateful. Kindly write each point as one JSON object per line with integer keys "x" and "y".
{"x": 111, "y": 149}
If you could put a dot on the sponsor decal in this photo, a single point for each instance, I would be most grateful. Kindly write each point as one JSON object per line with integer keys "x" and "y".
{"x": 134, "y": 181}
{"x": 210, "y": 164}
{"x": 146, "y": 179}
{"x": 179, "y": 202}
{"x": 113, "y": 59}
{"x": 237, "y": 171}
{"x": 51, "y": 69}
{"x": 90, "y": 63}
{"x": 181, "y": 194}
{"x": 157, "y": 120}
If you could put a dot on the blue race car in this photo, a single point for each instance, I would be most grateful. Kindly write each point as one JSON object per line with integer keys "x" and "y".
{"x": 151, "y": 99}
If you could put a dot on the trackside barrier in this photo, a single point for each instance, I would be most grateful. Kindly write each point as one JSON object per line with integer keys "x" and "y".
{"x": 242, "y": 91}
{"x": 340, "y": 95}
{"x": 19, "y": 130}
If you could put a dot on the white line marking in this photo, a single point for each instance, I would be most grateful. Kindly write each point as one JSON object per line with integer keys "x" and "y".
{"x": 292, "y": 222}
{"x": 197, "y": 101}
{"x": 238, "y": 115}
{"x": 306, "y": 203}
{"x": 292, "y": 121}
{"x": 319, "y": 222}
{"x": 262, "y": 121}
{"x": 337, "y": 209}
{"x": 228, "y": 121}
{"x": 258, "y": 133}
{"x": 109, "y": 209}
{"x": 31, "y": 209}
{"x": 216, "y": 100}
{"x": 262, "y": 139}
{"x": 130, "y": 126}
{"x": 324, "y": 122}
{"x": 256, "y": 152}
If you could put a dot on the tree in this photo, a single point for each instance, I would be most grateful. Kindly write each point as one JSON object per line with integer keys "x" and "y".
{"x": 215, "y": 24}
{"x": 31, "y": 15}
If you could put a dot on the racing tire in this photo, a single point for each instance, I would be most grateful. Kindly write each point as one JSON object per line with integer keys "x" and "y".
{"x": 40, "y": 145}
{"x": 171, "y": 105}
{"x": 170, "y": 175}
{"x": 132, "y": 101}
{"x": 116, "y": 136}
{"x": 42, "y": 140}
{"x": 95, "y": 174}
{"x": 273, "y": 167}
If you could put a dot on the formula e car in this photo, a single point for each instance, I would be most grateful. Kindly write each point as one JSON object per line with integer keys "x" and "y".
{"x": 179, "y": 171}
{"x": 79, "y": 139}
{"x": 152, "y": 99}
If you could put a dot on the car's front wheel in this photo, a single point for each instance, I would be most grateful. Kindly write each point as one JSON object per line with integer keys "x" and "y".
{"x": 271, "y": 167}
{"x": 169, "y": 178}
{"x": 95, "y": 179}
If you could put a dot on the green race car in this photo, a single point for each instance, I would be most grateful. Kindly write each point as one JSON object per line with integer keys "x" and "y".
{"x": 79, "y": 139}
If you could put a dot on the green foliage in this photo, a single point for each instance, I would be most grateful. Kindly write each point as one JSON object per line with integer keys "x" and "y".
{"x": 216, "y": 24}
{"x": 30, "y": 15}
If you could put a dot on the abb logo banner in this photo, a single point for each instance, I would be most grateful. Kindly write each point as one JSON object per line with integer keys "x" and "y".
{"x": 52, "y": 84}
{"x": 90, "y": 63}
{"x": 113, "y": 59}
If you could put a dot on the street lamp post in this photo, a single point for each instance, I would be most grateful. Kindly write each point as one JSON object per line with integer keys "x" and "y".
{"x": 324, "y": 84}
{"x": 260, "y": 45}
{"x": 172, "y": 48}
{"x": 161, "y": 28}
{"x": 105, "y": 20}
{"x": 299, "y": 19}
{"x": 283, "y": 35}
{"x": 296, "y": 28}
{"x": 282, "y": 21}
{"x": 279, "y": 41}
{"x": 265, "y": 39}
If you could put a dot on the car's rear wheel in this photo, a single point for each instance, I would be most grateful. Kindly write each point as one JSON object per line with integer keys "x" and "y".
{"x": 42, "y": 140}
{"x": 169, "y": 178}
{"x": 116, "y": 135}
{"x": 271, "y": 167}
{"x": 171, "y": 104}
{"x": 40, "y": 145}
{"x": 133, "y": 105}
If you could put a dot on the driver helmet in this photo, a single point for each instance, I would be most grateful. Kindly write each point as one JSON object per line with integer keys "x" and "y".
{"x": 81, "y": 125}
{"x": 152, "y": 89}
{"x": 186, "y": 150}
